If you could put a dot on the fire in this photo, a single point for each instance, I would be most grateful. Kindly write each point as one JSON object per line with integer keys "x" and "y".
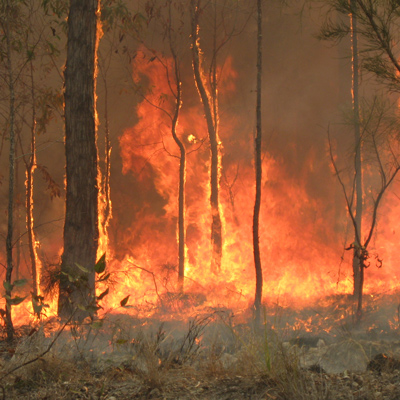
{"x": 300, "y": 250}
{"x": 300, "y": 236}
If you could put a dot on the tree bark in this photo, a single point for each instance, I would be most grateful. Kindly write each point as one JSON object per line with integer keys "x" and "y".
{"x": 182, "y": 158}
{"x": 216, "y": 226}
{"x": 30, "y": 165}
{"x": 11, "y": 179}
{"x": 81, "y": 231}
{"x": 182, "y": 179}
{"x": 258, "y": 173}
{"x": 357, "y": 264}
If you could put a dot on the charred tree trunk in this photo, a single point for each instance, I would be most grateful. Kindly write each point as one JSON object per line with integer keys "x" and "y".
{"x": 216, "y": 226}
{"x": 11, "y": 178}
{"x": 357, "y": 264}
{"x": 81, "y": 231}
{"x": 258, "y": 170}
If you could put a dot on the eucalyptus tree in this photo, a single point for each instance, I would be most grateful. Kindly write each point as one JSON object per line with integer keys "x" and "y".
{"x": 373, "y": 27}
{"x": 81, "y": 231}
{"x": 26, "y": 44}
{"x": 8, "y": 9}
{"x": 258, "y": 171}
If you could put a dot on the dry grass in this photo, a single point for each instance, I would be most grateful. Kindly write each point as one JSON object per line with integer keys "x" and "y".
{"x": 206, "y": 358}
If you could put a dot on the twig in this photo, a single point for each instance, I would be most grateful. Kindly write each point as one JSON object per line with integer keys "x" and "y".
{"x": 154, "y": 279}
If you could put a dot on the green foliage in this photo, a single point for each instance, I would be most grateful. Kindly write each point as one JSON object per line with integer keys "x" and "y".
{"x": 115, "y": 15}
{"x": 14, "y": 301}
{"x": 49, "y": 103}
{"x": 18, "y": 283}
{"x": 377, "y": 29}
{"x": 58, "y": 8}
{"x": 38, "y": 304}
{"x": 101, "y": 264}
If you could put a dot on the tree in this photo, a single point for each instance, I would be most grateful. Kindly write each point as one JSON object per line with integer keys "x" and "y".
{"x": 212, "y": 127}
{"x": 377, "y": 136}
{"x": 77, "y": 280}
{"x": 7, "y": 11}
{"x": 376, "y": 23}
{"x": 182, "y": 152}
{"x": 172, "y": 111}
{"x": 258, "y": 170}
{"x": 357, "y": 267}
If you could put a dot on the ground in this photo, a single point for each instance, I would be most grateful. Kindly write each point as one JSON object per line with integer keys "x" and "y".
{"x": 212, "y": 355}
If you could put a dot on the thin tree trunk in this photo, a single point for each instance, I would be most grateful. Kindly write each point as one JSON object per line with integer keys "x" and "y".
{"x": 258, "y": 170}
{"x": 357, "y": 264}
{"x": 107, "y": 211}
{"x": 17, "y": 217}
{"x": 30, "y": 169}
{"x": 216, "y": 226}
{"x": 11, "y": 182}
{"x": 81, "y": 231}
{"x": 182, "y": 169}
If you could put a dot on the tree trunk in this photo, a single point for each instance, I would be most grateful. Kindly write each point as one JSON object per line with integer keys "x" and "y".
{"x": 357, "y": 265}
{"x": 216, "y": 226}
{"x": 106, "y": 208}
{"x": 81, "y": 231}
{"x": 30, "y": 169}
{"x": 182, "y": 176}
{"x": 11, "y": 182}
{"x": 258, "y": 170}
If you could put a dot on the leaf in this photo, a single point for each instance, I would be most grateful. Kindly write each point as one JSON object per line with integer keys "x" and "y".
{"x": 121, "y": 341}
{"x": 105, "y": 293}
{"x": 20, "y": 282}
{"x": 8, "y": 286}
{"x": 90, "y": 308}
{"x": 83, "y": 269}
{"x": 101, "y": 264}
{"x": 37, "y": 308}
{"x": 52, "y": 185}
{"x": 124, "y": 301}
{"x": 97, "y": 324}
{"x": 16, "y": 300}
{"x": 103, "y": 278}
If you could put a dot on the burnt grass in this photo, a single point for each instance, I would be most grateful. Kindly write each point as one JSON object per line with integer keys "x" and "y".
{"x": 314, "y": 353}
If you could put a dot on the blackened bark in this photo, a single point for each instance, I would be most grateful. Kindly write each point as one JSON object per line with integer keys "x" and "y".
{"x": 216, "y": 226}
{"x": 258, "y": 170}
{"x": 81, "y": 231}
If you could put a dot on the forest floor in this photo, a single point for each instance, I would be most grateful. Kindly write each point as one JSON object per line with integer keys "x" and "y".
{"x": 208, "y": 356}
{"x": 186, "y": 384}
